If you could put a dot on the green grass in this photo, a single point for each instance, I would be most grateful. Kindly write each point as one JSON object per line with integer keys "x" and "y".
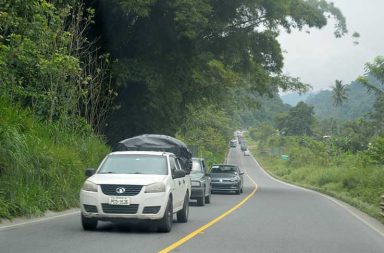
{"x": 42, "y": 165}
{"x": 345, "y": 176}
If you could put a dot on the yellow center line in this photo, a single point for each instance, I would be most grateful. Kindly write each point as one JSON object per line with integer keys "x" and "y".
{"x": 211, "y": 223}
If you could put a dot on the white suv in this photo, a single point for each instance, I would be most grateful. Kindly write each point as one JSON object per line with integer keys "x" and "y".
{"x": 143, "y": 185}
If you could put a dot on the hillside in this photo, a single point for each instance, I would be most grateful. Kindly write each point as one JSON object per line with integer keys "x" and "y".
{"x": 358, "y": 104}
{"x": 294, "y": 98}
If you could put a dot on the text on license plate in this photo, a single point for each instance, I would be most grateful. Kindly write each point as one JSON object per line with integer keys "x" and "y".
{"x": 119, "y": 201}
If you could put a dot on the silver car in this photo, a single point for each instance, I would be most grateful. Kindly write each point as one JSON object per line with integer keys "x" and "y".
{"x": 227, "y": 178}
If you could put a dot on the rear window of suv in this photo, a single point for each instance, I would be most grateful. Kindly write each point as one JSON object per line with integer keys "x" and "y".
{"x": 134, "y": 164}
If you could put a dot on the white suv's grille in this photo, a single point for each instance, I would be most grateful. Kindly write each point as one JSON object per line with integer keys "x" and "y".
{"x": 120, "y": 190}
{"x": 131, "y": 209}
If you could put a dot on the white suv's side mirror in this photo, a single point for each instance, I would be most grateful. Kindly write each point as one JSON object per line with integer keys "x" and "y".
{"x": 178, "y": 174}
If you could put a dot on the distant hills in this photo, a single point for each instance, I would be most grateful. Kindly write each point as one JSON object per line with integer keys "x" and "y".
{"x": 293, "y": 98}
{"x": 358, "y": 104}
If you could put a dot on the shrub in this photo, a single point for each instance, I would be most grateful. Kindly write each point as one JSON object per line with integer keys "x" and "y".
{"x": 42, "y": 165}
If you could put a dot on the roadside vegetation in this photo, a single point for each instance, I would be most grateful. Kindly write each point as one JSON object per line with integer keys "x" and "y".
{"x": 42, "y": 165}
{"x": 340, "y": 158}
{"x": 356, "y": 179}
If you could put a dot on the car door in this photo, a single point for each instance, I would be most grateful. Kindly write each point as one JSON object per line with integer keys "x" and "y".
{"x": 207, "y": 178}
{"x": 177, "y": 193}
{"x": 186, "y": 180}
{"x": 241, "y": 173}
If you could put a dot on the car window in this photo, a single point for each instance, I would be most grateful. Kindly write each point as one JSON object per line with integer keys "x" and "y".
{"x": 224, "y": 169}
{"x": 196, "y": 167}
{"x": 134, "y": 164}
{"x": 178, "y": 166}
{"x": 204, "y": 167}
{"x": 172, "y": 163}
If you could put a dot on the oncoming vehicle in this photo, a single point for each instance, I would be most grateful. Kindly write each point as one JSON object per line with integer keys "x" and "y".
{"x": 233, "y": 144}
{"x": 226, "y": 178}
{"x": 201, "y": 182}
{"x": 137, "y": 185}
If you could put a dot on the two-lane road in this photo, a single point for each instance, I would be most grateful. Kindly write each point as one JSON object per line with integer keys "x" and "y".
{"x": 284, "y": 218}
{"x": 278, "y": 218}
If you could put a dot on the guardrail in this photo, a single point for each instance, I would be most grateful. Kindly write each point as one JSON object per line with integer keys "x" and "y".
{"x": 382, "y": 205}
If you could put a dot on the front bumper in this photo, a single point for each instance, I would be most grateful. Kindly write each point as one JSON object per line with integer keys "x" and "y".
{"x": 197, "y": 192}
{"x": 143, "y": 206}
{"x": 225, "y": 186}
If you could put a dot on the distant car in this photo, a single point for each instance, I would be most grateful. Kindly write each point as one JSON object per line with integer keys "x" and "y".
{"x": 233, "y": 143}
{"x": 201, "y": 182}
{"x": 243, "y": 146}
{"x": 227, "y": 178}
{"x": 246, "y": 152}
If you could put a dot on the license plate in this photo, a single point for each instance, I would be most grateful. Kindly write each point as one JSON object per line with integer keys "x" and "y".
{"x": 124, "y": 201}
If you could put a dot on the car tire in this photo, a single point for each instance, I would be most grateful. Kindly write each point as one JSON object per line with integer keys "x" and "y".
{"x": 201, "y": 200}
{"x": 88, "y": 223}
{"x": 208, "y": 198}
{"x": 238, "y": 191}
{"x": 165, "y": 224}
{"x": 182, "y": 215}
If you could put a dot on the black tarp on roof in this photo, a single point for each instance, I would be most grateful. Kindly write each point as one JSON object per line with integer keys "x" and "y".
{"x": 156, "y": 142}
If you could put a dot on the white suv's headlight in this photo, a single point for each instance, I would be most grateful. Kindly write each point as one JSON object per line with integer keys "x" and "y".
{"x": 195, "y": 183}
{"x": 155, "y": 187}
{"x": 89, "y": 186}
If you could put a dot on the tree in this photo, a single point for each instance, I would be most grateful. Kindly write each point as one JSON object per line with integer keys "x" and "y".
{"x": 209, "y": 128}
{"x": 48, "y": 64}
{"x": 175, "y": 53}
{"x": 376, "y": 70}
{"x": 300, "y": 120}
{"x": 339, "y": 93}
{"x": 374, "y": 82}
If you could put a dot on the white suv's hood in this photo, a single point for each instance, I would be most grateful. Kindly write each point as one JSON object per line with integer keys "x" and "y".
{"x": 135, "y": 179}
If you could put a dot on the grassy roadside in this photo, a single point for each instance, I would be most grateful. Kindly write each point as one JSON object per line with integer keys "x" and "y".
{"x": 357, "y": 186}
{"x": 42, "y": 165}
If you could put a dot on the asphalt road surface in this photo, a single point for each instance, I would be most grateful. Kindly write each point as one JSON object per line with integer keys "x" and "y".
{"x": 277, "y": 218}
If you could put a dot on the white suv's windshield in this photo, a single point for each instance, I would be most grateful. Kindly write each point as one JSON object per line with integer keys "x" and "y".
{"x": 135, "y": 164}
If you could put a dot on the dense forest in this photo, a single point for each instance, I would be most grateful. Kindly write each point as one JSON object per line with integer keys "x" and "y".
{"x": 85, "y": 74}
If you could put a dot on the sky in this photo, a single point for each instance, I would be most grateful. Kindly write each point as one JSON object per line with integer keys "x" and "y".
{"x": 318, "y": 58}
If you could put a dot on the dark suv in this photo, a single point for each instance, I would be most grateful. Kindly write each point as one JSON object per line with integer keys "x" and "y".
{"x": 200, "y": 182}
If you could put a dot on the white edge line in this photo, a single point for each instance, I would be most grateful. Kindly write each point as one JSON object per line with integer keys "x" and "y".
{"x": 336, "y": 201}
{"x": 38, "y": 220}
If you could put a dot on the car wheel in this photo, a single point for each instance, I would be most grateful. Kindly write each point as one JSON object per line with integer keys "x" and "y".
{"x": 201, "y": 200}
{"x": 182, "y": 215}
{"x": 208, "y": 198}
{"x": 165, "y": 223}
{"x": 238, "y": 191}
{"x": 241, "y": 190}
{"x": 88, "y": 223}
